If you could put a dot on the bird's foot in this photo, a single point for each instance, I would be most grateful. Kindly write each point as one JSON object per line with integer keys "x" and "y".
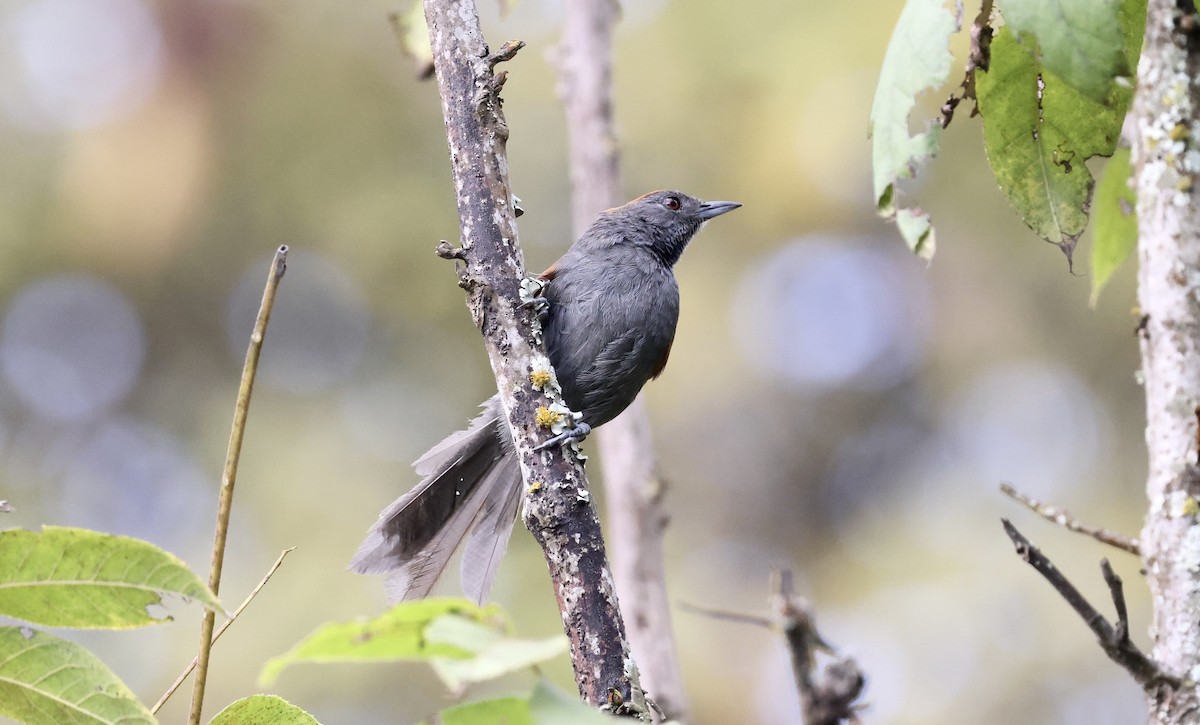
{"x": 570, "y": 435}
{"x": 532, "y": 295}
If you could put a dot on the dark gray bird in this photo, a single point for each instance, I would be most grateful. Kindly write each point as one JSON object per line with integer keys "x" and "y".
{"x": 613, "y": 305}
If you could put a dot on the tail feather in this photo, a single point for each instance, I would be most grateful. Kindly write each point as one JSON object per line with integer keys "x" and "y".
{"x": 488, "y": 541}
{"x": 470, "y": 478}
{"x": 416, "y": 576}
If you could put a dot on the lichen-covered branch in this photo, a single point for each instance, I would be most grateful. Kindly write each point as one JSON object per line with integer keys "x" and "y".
{"x": 637, "y": 516}
{"x": 1166, "y": 164}
{"x": 558, "y": 508}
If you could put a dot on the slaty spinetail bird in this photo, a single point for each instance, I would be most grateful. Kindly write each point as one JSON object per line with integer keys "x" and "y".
{"x": 612, "y": 308}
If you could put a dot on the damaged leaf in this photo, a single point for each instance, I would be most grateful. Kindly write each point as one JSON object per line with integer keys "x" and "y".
{"x": 918, "y": 59}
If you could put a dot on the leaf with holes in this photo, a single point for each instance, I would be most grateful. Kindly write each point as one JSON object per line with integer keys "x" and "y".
{"x": 1038, "y": 132}
{"x": 45, "y": 680}
{"x": 63, "y": 577}
{"x": 918, "y": 59}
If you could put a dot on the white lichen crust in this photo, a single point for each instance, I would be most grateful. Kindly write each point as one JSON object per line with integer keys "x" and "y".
{"x": 1166, "y": 163}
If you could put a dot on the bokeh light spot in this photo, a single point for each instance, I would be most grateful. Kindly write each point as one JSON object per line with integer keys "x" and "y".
{"x": 78, "y": 63}
{"x": 1030, "y": 423}
{"x": 318, "y": 332}
{"x": 71, "y": 347}
{"x": 821, "y": 313}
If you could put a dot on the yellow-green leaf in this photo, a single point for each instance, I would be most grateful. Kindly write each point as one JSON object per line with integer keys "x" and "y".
{"x": 45, "y": 680}
{"x": 493, "y": 653}
{"x": 1116, "y": 221}
{"x": 1038, "y": 132}
{"x": 263, "y": 710}
{"x": 63, "y": 577}
{"x": 498, "y": 711}
{"x": 396, "y": 635}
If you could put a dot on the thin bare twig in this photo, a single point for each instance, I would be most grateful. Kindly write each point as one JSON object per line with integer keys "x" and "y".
{"x": 1063, "y": 518}
{"x": 832, "y": 697}
{"x": 229, "y": 476}
{"x": 1114, "y": 640}
{"x": 728, "y": 616}
{"x": 221, "y": 630}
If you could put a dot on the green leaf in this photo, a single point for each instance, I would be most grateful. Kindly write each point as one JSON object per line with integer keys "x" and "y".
{"x": 1132, "y": 17}
{"x": 499, "y": 711}
{"x": 1038, "y": 131}
{"x": 1080, "y": 41}
{"x": 493, "y": 653}
{"x": 396, "y": 635}
{"x": 263, "y": 710}
{"x": 547, "y": 705}
{"x": 45, "y": 679}
{"x": 918, "y": 59}
{"x": 62, "y": 577}
{"x": 550, "y": 706}
{"x": 1116, "y": 221}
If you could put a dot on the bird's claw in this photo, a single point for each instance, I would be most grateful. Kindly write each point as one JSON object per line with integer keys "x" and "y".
{"x": 572, "y": 435}
{"x": 531, "y": 293}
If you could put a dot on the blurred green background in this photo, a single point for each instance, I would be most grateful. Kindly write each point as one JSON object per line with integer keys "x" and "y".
{"x": 833, "y": 405}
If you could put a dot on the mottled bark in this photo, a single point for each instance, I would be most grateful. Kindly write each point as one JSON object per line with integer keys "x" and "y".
{"x": 637, "y": 517}
{"x": 1166, "y": 164}
{"x": 558, "y": 508}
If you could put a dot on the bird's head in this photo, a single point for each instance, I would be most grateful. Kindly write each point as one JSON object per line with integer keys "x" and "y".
{"x": 663, "y": 221}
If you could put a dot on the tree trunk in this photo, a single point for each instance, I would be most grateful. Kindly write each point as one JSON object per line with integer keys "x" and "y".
{"x": 1166, "y": 163}
{"x": 637, "y": 516}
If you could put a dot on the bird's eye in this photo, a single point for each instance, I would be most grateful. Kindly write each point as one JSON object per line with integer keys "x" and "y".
{"x": 671, "y": 203}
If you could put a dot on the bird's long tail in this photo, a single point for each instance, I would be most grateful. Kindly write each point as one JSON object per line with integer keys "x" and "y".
{"x": 471, "y": 489}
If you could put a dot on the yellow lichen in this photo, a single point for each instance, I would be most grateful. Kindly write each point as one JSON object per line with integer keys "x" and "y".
{"x": 540, "y": 378}
{"x": 535, "y": 487}
{"x": 1191, "y": 507}
{"x": 546, "y": 418}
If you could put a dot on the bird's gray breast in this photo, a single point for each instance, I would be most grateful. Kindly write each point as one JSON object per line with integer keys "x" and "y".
{"x": 611, "y": 322}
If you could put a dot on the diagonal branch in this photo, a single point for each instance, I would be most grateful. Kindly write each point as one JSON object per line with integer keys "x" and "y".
{"x": 1114, "y": 640}
{"x": 637, "y": 515}
{"x": 558, "y": 508}
{"x": 1063, "y": 518}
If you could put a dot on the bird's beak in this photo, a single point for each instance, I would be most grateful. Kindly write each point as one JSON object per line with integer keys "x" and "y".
{"x": 710, "y": 209}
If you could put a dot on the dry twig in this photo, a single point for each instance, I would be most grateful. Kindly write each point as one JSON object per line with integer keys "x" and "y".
{"x": 1063, "y": 518}
{"x": 229, "y": 477}
{"x": 221, "y": 630}
{"x": 1114, "y": 640}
